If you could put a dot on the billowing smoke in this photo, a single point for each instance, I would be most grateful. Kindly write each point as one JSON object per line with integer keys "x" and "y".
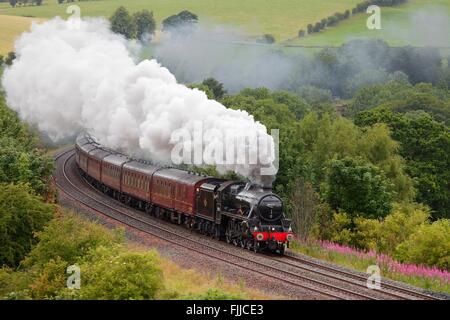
{"x": 225, "y": 54}
{"x": 78, "y": 76}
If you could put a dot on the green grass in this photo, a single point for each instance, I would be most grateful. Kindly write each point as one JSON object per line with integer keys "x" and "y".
{"x": 396, "y": 22}
{"x": 282, "y": 18}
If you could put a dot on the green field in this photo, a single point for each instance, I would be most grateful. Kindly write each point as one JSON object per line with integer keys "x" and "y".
{"x": 282, "y": 18}
{"x": 397, "y": 24}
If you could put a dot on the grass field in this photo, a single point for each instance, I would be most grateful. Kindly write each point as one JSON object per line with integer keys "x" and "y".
{"x": 282, "y": 18}
{"x": 399, "y": 26}
{"x": 10, "y": 28}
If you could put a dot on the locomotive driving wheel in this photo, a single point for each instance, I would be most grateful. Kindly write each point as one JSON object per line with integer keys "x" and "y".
{"x": 255, "y": 246}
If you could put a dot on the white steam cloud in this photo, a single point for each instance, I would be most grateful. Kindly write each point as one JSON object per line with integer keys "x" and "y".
{"x": 72, "y": 77}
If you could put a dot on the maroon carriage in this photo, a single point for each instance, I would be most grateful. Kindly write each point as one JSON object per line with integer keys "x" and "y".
{"x": 137, "y": 178}
{"x": 94, "y": 165}
{"x": 176, "y": 189}
{"x": 112, "y": 170}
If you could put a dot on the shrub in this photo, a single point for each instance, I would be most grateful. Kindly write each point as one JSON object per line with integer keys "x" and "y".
{"x": 386, "y": 235}
{"x": 429, "y": 245}
{"x": 184, "y": 19}
{"x": 267, "y": 38}
{"x": 317, "y": 27}
{"x": 70, "y": 238}
{"x": 215, "y": 294}
{"x": 21, "y": 215}
{"x": 123, "y": 275}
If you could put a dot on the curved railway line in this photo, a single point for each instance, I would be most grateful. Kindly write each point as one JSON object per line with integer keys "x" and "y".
{"x": 293, "y": 271}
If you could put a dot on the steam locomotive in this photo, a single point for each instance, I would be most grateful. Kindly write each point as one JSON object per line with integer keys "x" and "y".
{"x": 239, "y": 213}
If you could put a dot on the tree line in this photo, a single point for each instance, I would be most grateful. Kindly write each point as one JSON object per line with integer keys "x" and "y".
{"x": 338, "y": 16}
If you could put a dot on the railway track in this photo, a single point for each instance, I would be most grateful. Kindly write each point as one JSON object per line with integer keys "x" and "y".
{"x": 315, "y": 278}
{"x": 358, "y": 279}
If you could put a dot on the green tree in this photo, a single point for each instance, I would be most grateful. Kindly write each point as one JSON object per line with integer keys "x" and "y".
{"x": 358, "y": 188}
{"x": 20, "y": 159}
{"x": 425, "y": 145}
{"x": 402, "y": 97}
{"x": 122, "y": 23}
{"x": 184, "y": 19}
{"x": 21, "y": 215}
{"x": 216, "y": 87}
{"x": 145, "y": 24}
{"x": 325, "y": 138}
{"x": 10, "y": 58}
{"x": 319, "y": 99}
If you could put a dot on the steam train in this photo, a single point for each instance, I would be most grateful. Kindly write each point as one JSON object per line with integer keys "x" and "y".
{"x": 242, "y": 214}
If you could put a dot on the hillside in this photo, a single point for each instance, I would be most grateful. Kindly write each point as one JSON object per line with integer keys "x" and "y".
{"x": 282, "y": 18}
{"x": 402, "y": 25}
